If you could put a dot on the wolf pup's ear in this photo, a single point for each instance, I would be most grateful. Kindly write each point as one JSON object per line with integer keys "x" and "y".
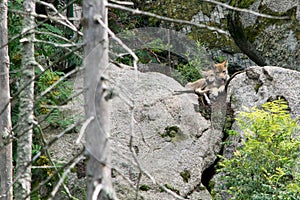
{"x": 221, "y": 66}
{"x": 225, "y": 62}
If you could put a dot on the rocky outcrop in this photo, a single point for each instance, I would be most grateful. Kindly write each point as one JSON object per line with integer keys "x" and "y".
{"x": 254, "y": 87}
{"x": 268, "y": 41}
{"x": 163, "y": 139}
{"x": 257, "y": 85}
{"x": 219, "y": 45}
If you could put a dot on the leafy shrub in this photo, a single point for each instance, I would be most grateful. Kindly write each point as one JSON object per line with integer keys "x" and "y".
{"x": 188, "y": 72}
{"x": 191, "y": 70}
{"x": 59, "y": 93}
{"x": 55, "y": 97}
{"x": 266, "y": 165}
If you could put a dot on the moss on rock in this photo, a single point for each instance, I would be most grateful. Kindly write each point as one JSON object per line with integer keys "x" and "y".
{"x": 173, "y": 132}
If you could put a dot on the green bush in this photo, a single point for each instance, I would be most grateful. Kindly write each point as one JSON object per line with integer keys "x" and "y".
{"x": 266, "y": 165}
{"x": 55, "y": 97}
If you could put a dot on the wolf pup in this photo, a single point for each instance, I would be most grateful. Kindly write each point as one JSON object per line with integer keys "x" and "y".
{"x": 213, "y": 79}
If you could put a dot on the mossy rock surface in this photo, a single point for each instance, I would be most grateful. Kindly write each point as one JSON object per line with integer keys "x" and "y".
{"x": 268, "y": 41}
{"x": 197, "y": 12}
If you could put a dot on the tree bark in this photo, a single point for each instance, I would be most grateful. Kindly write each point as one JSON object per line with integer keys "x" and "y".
{"x": 26, "y": 117}
{"x": 6, "y": 192}
{"x": 99, "y": 184}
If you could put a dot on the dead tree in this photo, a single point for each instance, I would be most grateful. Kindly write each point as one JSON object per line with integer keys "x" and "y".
{"x": 98, "y": 169}
{"x": 5, "y": 119}
{"x": 26, "y": 96}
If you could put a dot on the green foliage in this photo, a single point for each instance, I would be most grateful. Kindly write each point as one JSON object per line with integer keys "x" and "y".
{"x": 35, "y": 149}
{"x": 47, "y": 54}
{"x": 59, "y": 93}
{"x": 51, "y": 56}
{"x": 191, "y": 70}
{"x": 156, "y": 51}
{"x": 41, "y": 174}
{"x": 118, "y": 20}
{"x": 55, "y": 97}
{"x": 14, "y": 28}
{"x": 186, "y": 175}
{"x": 172, "y": 8}
{"x": 145, "y": 187}
{"x": 171, "y": 131}
{"x": 266, "y": 166}
{"x": 150, "y": 52}
{"x": 55, "y": 55}
{"x": 58, "y": 119}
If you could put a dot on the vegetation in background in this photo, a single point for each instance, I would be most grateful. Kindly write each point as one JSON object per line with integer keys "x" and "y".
{"x": 51, "y": 57}
{"x": 187, "y": 66}
{"x": 54, "y": 97}
{"x": 56, "y": 61}
{"x": 266, "y": 165}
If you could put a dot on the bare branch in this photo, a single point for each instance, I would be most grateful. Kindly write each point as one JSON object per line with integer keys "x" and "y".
{"x": 54, "y": 35}
{"x": 49, "y": 144}
{"x": 135, "y": 58}
{"x": 82, "y": 130}
{"x": 50, "y": 159}
{"x": 37, "y": 65}
{"x": 45, "y": 167}
{"x": 132, "y": 133}
{"x": 69, "y": 53}
{"x": 65, "y": 19}
{"x": 62, "y": 103}
{"x": 57, "y": 82}
{"x": 125, "y": 3}
{"x": 56, "y": 172}
{"x": 58, "y": 45}
{"x": 246, "y": 10}
{"x": 97, "y": 190}
{"x": 61, "y": 20}
{"x": 66, "y": 172}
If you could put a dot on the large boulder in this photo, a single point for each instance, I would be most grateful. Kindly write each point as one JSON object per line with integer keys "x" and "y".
{"x": 172, "y": 142}
{"x": 156, "y": 134}
{"x": 268, "y": 41}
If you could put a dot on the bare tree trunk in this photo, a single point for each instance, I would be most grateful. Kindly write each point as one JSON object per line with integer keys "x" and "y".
{"x": 5, "y": 118}
{"x": 25, "y": 123}
{"x": 99, "y": 184}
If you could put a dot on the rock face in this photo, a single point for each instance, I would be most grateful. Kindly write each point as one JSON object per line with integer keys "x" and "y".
{"x": 173, "y": 143}
{"x": 258, "y": 85}
{"x": 268, "y": 41}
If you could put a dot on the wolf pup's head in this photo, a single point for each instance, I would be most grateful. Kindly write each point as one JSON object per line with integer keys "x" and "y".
{"x": 221, "y": 72}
